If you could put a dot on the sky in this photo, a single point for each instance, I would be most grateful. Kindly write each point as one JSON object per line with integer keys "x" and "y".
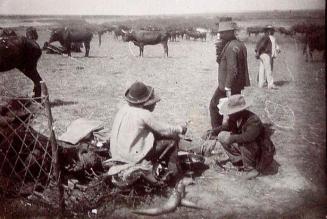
{"x": 150, "y": 7}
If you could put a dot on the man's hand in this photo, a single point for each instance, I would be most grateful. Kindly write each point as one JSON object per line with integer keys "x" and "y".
{"x": 184, "y": 129}
{"x": 224, "y": 138}
{"x": 228, "y": 92}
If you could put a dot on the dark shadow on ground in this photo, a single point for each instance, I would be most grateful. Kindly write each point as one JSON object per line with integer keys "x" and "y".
{"x": 58, "y": 102}
{"x": 281, "y": 83}
{"x": 272, "y": 169}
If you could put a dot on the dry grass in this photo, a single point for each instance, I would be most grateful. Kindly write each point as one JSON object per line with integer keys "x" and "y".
{"x": 186, "y": 81}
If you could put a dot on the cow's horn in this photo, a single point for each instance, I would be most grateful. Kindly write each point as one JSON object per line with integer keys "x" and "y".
{"x": 122, "y": 30}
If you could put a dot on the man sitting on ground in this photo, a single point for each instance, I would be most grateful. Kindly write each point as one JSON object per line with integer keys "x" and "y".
{"x": 244, "y": 138}
{"x": 137, "y": 136}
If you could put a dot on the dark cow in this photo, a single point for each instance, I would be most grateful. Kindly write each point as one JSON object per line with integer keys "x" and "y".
{"x": 31, "y": 33}
{"x": 172, "y": 35}
{"x": 141, "y": 38}
{"x": 255, "y": 30}
{"x": 119, "y": 31}
{"x": 180, "y": 34}
{"x": 67, "y": 36}
{"x": 23, "y": 54}
{"x": 195, "y": 35}
{"x": 314, "y": 41}
{"x": 7, "y": 32}
{"x": 151, "y": 28}
{"x": 305, "y": 28}
{"x": 285, "y": 31}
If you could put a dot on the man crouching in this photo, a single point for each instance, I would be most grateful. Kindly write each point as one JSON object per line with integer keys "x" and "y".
{"x": 244, "y": 140}
{"x": 137, "y": 136}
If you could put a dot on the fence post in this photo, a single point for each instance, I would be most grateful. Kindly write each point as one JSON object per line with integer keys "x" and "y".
{"x": 54, "y": 148}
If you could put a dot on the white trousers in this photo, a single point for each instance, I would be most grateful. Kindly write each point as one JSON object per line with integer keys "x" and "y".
{"x": 265, "y": 71}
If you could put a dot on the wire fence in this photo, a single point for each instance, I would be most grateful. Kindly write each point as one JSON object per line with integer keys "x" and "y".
{"x": 28, "y": 150}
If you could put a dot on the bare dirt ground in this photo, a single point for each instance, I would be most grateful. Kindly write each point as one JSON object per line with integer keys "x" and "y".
{"x": 94, "y": 87}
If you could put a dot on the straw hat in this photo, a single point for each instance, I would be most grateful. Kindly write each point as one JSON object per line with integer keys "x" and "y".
{"x": 226, "y": 26}
{"x": 141, "y": 94}
{"x": 234, "y": 104}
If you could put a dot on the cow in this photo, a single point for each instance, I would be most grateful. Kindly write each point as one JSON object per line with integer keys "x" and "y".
{"x": 285, "y": 31}
{"x": 314, "y": 41}
{"x": 141, "y": 38}
{"x": 195, "y": 35}
{"x": 7, "y": 32}
{"x": 255, "y": 30}
{"x": 151, "y": 28}
{"x": 180, "y": 34}
{"x": 21, "y": 53}
{"x": 172, "y": 35}
{"x": 31, "y": 33}
{"x": 67, "y": 36}
{"x": 119, "y": 31}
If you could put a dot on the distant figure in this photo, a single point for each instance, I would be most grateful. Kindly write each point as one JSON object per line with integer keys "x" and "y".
{"x": 31, "y": 33}
{"x": 244, "y": 138}
{"x": 267, "y": 50}
{"x": 233, "y": 73}
{"x": 137, "y": 136}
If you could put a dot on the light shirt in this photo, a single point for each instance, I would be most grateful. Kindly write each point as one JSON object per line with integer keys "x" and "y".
{"x": 274, "y": 46}
{"x": 132, "y": 133}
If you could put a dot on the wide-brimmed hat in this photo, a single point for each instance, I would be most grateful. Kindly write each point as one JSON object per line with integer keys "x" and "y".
{"x": 141, "y": 94}
{"x": 269, "y": 27}
{"x": 226, "y": 26}
{"x": 234, "y": 104}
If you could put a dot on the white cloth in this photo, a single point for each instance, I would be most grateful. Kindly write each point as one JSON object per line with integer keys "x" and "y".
{"x": 265, "y": 71}
{"x": 132, "y": 133}
{"x": 274, "y": 46}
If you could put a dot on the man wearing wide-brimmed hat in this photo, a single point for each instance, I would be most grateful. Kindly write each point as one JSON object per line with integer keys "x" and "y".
{"x": 244, "y": 138}
{"x": 137, "y": 136}
{"x": 233, "y": 73}
{"x": 267, "y": 50}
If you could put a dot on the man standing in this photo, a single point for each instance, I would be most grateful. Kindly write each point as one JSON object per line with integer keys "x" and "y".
{"x": 233, "y": 73}
{"x": 266, "y": 50}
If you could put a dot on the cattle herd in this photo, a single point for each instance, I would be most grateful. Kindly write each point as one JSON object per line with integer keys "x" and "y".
{"x": 22, "y": 52}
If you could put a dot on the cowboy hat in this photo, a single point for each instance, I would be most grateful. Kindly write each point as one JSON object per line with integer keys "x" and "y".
{"x": 226, "y": 26}
{"x": 234, "y": 104}
{"x": 269, "y": 27}
{"x": 141, "y": 94}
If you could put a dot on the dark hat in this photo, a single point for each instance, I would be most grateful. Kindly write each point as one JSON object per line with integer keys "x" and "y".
{"x": 141, "y": 94}
{"x": 234, "y": 104}
{"x": 226, "y": 26}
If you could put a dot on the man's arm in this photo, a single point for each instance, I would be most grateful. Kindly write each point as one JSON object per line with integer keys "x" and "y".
{"x": 253, "y": 130}
{"x": 162, "y": 128}
{"x": 231, "y": 58}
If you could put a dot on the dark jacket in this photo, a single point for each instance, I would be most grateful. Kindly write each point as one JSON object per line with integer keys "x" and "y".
{"x": 252, "y": 130}
{"x": 264, "y": 45}
{"x": 233, "y": 68}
